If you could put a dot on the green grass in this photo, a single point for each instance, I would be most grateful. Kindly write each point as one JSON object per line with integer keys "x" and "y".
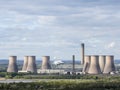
{"x": 64, "y": 85}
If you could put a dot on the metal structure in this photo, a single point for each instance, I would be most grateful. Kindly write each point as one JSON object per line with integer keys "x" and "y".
{"x": 32, "y": 64}
{"x": 94, "y": 65}
{"x": 102, "y": 59}
{"x": 82, "y": 53}
{"x": 46, "y": 62}
{"x": 86, "y": 64}
{"x": 12, "y": 66}
{"x": 109, "y": 65}
{"x": 25, "y": 64}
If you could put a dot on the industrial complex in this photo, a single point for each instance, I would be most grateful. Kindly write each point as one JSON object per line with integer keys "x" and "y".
{"x": 90, "y": 64}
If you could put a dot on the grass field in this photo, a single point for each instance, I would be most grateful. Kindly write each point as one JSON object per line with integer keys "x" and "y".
{"x": 99, "y": 83}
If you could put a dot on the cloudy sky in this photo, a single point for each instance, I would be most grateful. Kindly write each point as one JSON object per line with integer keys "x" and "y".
{"x": 58, "y": 27}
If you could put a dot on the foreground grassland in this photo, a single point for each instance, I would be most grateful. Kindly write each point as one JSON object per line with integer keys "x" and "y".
{"x": 64, "y": 85}
{"x": 65, "y": 82}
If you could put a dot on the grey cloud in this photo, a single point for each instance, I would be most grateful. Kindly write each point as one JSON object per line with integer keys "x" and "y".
{"x": 46, "y": 26}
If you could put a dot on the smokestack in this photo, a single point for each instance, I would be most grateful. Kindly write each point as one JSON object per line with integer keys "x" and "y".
{"x": 46, "y": 62}
{"x": 94, "y": 65}
{"x": 82, "y": 53}
{"x": 32, "y": 64}
{"x": 12, "y": 66}
{"x": 25, "y": 64}
{"x": 73, "y": 57}
{"x": 102, "y": 62}
{"x": 109, "y": 65}
{"x": 86, "y": 64}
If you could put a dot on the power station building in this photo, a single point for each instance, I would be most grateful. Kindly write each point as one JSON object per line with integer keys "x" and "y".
{"x": 90, "y": 64}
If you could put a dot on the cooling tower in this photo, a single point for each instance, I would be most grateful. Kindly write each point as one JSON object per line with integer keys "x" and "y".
{"x": 73, "y": 57}
{"x": 86, "y": 64}
{"x": 82, "y": 53}
{"x": 46, "y": 62}
{"x": 102, "y": 62}
{"x": 94, "y": 65}
{"x": 32, "y": 64}
{"x": 12, "y": 66}
{"x": 109, "y": 65}
{"x": 25, "y": 64}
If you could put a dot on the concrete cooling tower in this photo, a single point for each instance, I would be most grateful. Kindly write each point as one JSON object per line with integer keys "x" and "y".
{"x": 46, "y": 62}
{"x": 102, "y": 62}
{"x": 109, "y": 65}
{"x": 32, "y": 64}
{"x": 25, "y": 64}
{"x": 86, "y": 64}
{"x": 82, "y": 53}
{"x": 94, "y": 65}
{"x": 12, "y": 66}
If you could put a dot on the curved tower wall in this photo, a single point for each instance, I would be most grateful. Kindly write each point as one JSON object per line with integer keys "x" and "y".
{"x": 109, "y": 65}
{"x": 94, "y": 65}
{"x": 12, "y": 66}
{"x": 46, "y": 62}
{"x": 102, "y": 59}
{"x": 86, "y": 64}
{"x": 32, "y": 64}
{"x": 25, "y": 64}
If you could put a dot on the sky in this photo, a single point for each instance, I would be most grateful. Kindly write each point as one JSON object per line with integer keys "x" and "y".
{"x": 57, "y": 28}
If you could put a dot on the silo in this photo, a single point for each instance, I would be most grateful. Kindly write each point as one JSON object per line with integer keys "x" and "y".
{"x": 109, "y": 65}
{"x": 82, "y": 53}
{"x": 12, "y": 66}
{"x": 32, "y": 64}
{"x": 86, "y": 64}
{"x": 25, "y": 64}
{"x": 46, "y": 62}
{"x": 102, "y": 62}
{"x": 94, "y": 65}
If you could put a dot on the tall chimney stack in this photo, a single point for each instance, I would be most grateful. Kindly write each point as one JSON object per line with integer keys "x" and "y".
{"x": 32, "y": 64}
{"x": 73, "y": 57}
{"x": 12, "y": 66}
{"x": 82, "y": 53}
{"x": 46, "y": 62}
